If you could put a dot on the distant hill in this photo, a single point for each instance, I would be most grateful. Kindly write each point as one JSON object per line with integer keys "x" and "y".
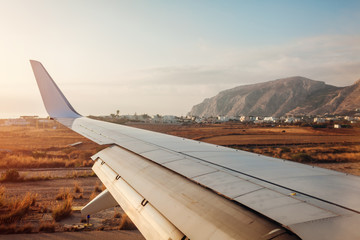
{"x": 294, "y": 95}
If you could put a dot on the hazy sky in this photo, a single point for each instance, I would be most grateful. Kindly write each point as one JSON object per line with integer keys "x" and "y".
{"x": 166, "y": 56}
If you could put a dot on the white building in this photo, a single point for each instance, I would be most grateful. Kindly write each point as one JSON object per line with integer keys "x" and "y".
{"x": 169, "y": 119}
{"x": 16, "y": 122}
{"x": 271, "y": 119}
{"x": 319, "y": 120}
{"x": 292, "y": 120}
{"x": 349, "y": 118}
{"x": 222, "y": 118}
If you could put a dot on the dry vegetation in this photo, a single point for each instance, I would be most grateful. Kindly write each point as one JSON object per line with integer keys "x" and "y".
{"x": 22, "y": 148}
{"x": 63, "y": 210}
{"x": 25, "y": 213}
{"x": 31, "y": 147}
{"x": 126, "y": 223}
{"x": 13, "y": 210}
{"x": 25, "y": 155}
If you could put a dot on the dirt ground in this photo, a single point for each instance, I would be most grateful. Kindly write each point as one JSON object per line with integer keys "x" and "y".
{"x": 20, "y": 146}
{"x": 93, "y": 235}
{"x": 339, "y": 150}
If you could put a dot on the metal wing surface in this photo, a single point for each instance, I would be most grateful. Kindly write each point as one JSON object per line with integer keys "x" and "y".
{"x": 176, "y": 188}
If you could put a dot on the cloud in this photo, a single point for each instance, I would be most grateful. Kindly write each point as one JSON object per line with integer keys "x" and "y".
{"x": 333, "y": 59}
{"x": 174, "y": 89}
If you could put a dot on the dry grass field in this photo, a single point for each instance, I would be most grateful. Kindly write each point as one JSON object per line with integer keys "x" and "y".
{"x": 32, "y": 147}
{"x": 44, "y": 179}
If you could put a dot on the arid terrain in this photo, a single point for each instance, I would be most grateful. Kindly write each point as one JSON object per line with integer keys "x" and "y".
{"x": 45, "y": 179}
{"x": 46, "y": 174}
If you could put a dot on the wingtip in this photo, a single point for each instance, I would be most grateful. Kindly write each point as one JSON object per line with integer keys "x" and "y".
{"x": 54, "y": 100}
{"x": 33, "y": 61}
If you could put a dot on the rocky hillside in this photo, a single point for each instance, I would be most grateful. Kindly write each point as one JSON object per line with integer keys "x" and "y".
{"x": 294, "y": 95}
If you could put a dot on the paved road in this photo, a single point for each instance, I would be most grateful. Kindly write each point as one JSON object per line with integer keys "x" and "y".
{"x": 91, "y": 235}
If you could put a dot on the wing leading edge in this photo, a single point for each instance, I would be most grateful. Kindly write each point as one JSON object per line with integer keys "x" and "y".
{"x": 260, "y": 197}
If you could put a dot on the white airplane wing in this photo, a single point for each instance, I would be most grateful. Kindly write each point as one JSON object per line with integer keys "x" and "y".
{"x": 176, "y": 188}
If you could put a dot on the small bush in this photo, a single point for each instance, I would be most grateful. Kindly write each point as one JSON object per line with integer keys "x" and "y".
{"x": 126, "y": 223}
{"x": 70, "y": 164}
{"x": 302, "y": 157}
{"x": 43, "y": 209}
{"x": 17, "y": 208}
{"x": 117, "y": 215}
{"x": 86, "y": 155}
{"x": 93, "y": 195}
{"x": 38, "y": 154}
{"x": 10, "y": 175}
{"x": 47, "y": 227}
{"x": 285, "y": 149}
{"x": 97, "y": 188}
{"x": 63, "y": 194}
{"x": 62, "y": 210}
{"x": 101, "y": 228}
{"x": 77, "y": 188}
{"x": 87, "y": 163}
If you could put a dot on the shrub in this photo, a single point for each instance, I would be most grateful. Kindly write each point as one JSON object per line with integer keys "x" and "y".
{"x": 18, "y": 208}
{"x": 117, "y": 214}
{"x": 39, "y": 154}
{"x": 126, "y": 223}
{"x": 77, "y": 188}
{"x": 93, "y": 195}
{"x": 302, "y": 157}
{"x": 63, "y": 194}
{"x": 285, "y": 149}
{"x": 10, "y": 175}
{"x": 62, "y": 210}
{"x": 43, "y": 209}
{"x": 97, "y": 188}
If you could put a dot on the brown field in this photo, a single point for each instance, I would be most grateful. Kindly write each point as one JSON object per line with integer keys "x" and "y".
{"x": 47, "y": 166}
{"x": 51, "y": 174}
{"x": 31, "y": 147}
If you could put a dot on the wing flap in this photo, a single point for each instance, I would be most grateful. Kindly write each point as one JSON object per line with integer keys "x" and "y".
{"x": 150, "y": 222}
{"x": 194, "y": 210}
{"x": 101, "y": 202}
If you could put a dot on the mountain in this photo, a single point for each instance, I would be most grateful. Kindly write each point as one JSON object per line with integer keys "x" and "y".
{"x": 294, "y": 95}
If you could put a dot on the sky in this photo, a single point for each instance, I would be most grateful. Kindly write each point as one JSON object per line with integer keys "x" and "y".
{"x": 163, "y": 57}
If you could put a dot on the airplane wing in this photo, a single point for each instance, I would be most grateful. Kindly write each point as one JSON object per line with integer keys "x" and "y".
{"x": 176, "y": 188}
